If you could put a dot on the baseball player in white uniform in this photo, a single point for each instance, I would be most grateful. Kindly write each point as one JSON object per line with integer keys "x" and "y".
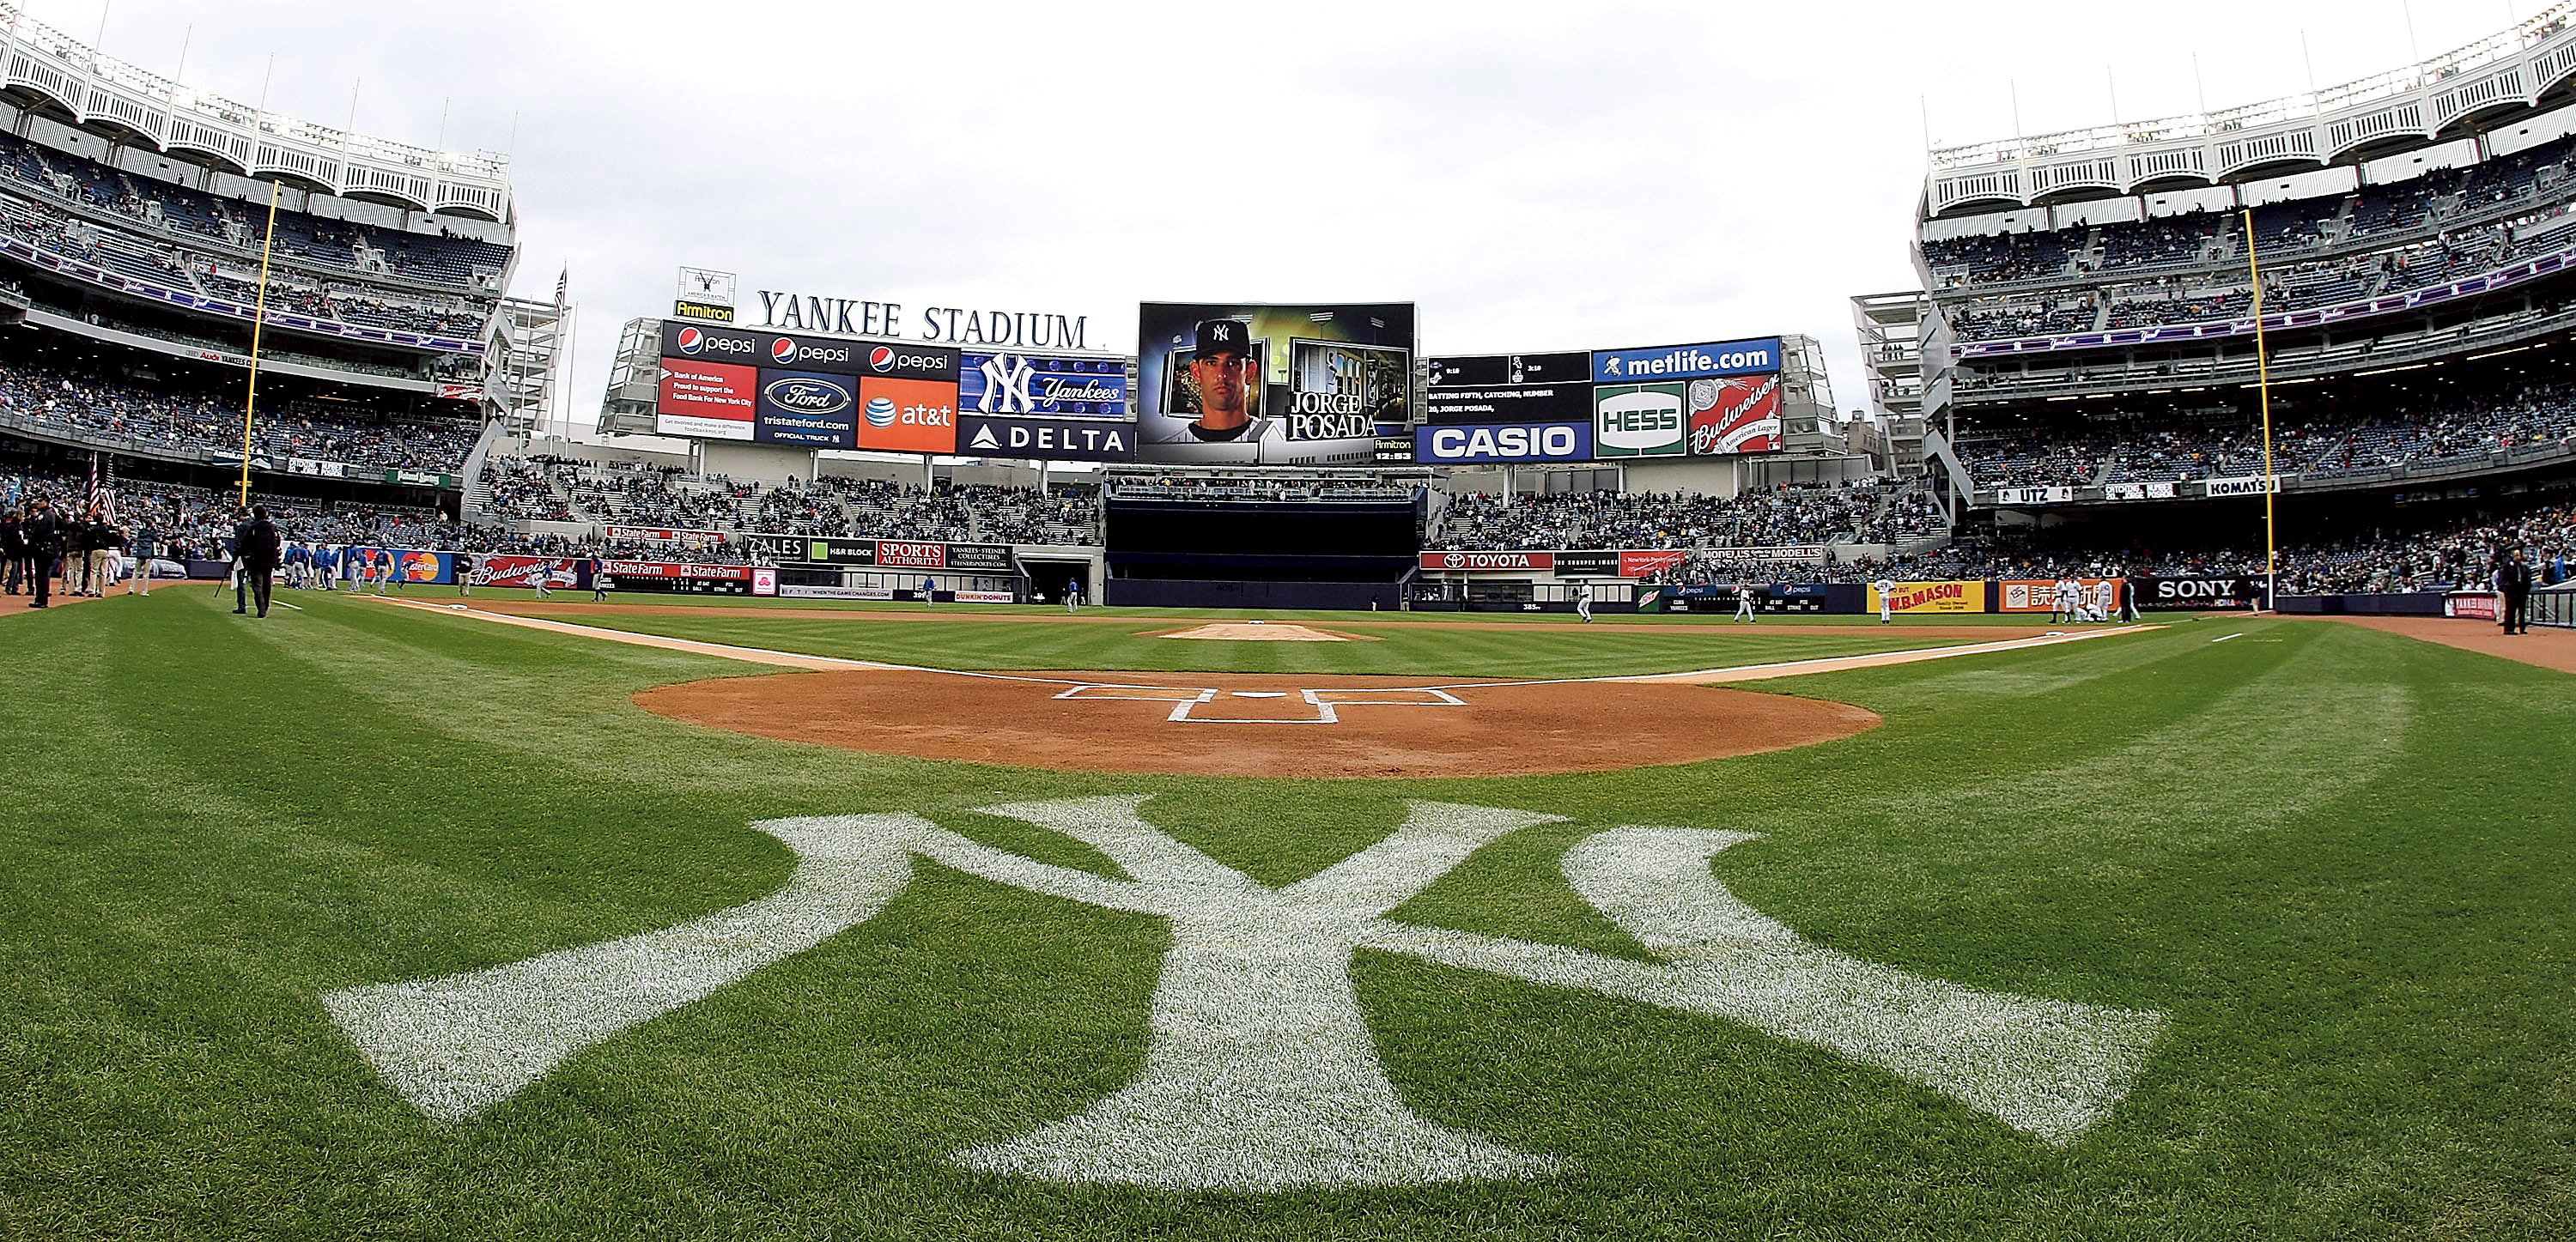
{"x": 1886, "y": 589}
{"x": 1583, "y": 601}
{"x": 1744, "y": 602}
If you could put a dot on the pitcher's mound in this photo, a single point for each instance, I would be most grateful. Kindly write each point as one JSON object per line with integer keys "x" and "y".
{"x": 1259, "y": 632}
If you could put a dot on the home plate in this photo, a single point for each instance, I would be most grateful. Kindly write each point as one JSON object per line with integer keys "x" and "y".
{"x": 1259, "y": 632}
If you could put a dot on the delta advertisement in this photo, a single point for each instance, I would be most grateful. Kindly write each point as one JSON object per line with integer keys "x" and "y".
{"x": 1044, "y": 407}
{"x": 1253, "y": 384}
{"x": 1716, "y": 398}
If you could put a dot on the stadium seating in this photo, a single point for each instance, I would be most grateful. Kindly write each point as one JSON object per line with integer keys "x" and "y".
{"x": 195, "y": 421}
{"x": 1789, "y": 515}
{"x": 556, "y": 489}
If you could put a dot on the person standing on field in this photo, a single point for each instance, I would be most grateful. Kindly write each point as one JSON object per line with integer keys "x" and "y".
{"x": 1886, "y": 588}
{"x": 43, "y": 536}
{"x": 146, "y": 546}
{"x": 256, "y": 548}
{"x": 1583, "y": 601}
{"x": 1744, "y": 603}
{"x": 929, "y": 591}
{"x": 1072, "y": 595}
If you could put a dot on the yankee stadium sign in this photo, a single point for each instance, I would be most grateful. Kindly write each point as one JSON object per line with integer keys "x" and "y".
{"x": 947, "y": 325}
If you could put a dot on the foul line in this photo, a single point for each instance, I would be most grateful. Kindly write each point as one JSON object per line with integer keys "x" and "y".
{"x": 827, "y": 664}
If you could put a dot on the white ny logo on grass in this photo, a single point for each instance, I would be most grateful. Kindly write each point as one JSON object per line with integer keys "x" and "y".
{"x": 1262, "y": 1073}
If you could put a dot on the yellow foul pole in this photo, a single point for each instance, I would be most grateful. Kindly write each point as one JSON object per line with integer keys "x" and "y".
{"x": 258, "y": 320}
{"x": 2263, "y": 387}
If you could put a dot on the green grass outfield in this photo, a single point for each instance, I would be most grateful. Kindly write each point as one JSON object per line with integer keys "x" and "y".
{"x": 1125, "y": 640}
{"x": 2339, "y": 864}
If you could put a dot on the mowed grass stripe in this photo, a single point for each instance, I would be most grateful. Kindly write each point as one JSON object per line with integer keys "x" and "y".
{"x": 1014, "y": 645}
{"x": 2364, "y": 963}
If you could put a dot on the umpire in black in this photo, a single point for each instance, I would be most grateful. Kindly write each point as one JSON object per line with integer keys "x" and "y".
{"x": 256, "y": 547}
{"x": 44, "y": 535}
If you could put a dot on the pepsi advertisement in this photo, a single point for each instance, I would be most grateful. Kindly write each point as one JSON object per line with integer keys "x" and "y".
{"x": 806, "y": 409}
{"x": 1258, "y": 384}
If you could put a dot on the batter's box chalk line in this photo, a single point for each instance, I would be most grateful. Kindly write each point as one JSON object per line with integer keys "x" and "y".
{"x": 1188, "y": 702}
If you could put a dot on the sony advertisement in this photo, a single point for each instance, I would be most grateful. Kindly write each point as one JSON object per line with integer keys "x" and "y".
{"x": 1248, "y": 384}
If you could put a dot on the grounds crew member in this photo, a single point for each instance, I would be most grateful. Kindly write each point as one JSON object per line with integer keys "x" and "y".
{"x": 1073, "y": 595}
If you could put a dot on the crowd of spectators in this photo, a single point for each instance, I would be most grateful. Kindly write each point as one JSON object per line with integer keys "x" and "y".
{"x": 2411, "y": 428}
{"x": 565, "y": 490}
{"x": 1791, "y": 514}
{"x": 161, "y": 210}
{"x": 2282, "y": 230}
{"x": 2381, "y": 561}
{"x": 163, "y": 417}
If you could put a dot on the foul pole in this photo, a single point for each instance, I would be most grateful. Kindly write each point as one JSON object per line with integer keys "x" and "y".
{"x": 258, "y": 320}
{"x": 2263, "y": 390}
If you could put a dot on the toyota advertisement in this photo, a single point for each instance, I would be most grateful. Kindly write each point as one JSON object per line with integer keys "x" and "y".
{"x": 1248, "y": 384}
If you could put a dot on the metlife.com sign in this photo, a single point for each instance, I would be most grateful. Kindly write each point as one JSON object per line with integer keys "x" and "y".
{"x": 1670, "y": 362}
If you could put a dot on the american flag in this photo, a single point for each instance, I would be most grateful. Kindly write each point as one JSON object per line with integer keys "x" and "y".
{"x": 563, "y": 282}
{"x": 90, "y": 504}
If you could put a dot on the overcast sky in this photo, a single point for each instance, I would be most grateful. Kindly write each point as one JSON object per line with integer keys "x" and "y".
{"x": 1535, "y": 176}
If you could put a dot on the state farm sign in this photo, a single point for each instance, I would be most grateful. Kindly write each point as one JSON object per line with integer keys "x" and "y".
{"x": 1472, "y": 561}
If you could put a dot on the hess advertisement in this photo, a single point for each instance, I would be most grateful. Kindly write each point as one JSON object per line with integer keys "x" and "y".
{"x": 1273, "y": 385}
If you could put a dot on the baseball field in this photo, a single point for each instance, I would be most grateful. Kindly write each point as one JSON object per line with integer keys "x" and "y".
{"x": 391, "y": 920}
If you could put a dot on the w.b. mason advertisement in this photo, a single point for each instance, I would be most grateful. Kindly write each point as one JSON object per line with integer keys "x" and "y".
{"x": 1272, "y": 385}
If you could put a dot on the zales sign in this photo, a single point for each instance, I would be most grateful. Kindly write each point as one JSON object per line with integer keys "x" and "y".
{"x": 1261, "y": 1073}
{"x": 947, "y": 325}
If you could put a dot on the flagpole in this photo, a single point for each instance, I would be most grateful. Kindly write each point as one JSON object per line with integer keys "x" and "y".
{"x": 258, "y": 320}
{"x": 2263, "y": 387}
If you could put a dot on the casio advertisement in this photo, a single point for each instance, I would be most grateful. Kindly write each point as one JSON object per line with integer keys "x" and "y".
{"x": 1515, "y": 442}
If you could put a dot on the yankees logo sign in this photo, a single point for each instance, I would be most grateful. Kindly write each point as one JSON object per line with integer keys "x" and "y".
{"x": 1262, "y": 1073}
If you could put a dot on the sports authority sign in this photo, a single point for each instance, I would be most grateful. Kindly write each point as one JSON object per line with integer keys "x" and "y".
{"x": 1261, "y": 1073}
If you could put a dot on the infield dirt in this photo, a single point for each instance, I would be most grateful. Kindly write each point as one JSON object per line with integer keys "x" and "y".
{"x": 1259, "y": 725}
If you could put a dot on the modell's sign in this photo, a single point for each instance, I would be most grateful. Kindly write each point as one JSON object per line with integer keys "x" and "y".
{"x": 1474, "y": 561}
